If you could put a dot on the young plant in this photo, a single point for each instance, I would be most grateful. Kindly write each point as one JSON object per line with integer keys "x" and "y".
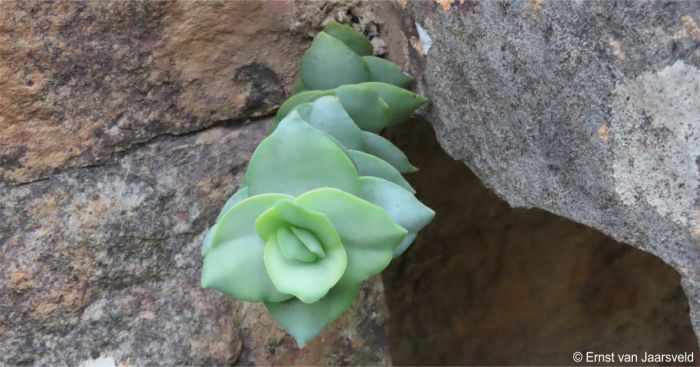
{"x": 323, "y": 205}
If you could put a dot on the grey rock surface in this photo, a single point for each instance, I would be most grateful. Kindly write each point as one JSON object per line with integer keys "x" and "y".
{"x": 487, "y": 284}
{"x": 103, "y": 262}
{"x": 589, "y": 110}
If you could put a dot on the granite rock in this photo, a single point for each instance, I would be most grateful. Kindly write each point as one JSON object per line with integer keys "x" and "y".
{"x": 487, "y": 284}
{"x": 588, "y": 110}
{"x": 82, "y": 80}
{"x": 103, "y": 262}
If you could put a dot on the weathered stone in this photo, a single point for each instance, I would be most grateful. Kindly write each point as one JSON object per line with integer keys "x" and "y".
{"x": 82, "y": 80}
{"x": 122, "y": 133}
{"x": 588, "y": 110}
{"x": 104, "y": 260}
{"x": 487, "y": 284}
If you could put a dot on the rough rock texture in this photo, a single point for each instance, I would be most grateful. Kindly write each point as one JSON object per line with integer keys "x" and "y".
{"x": 588, "y": 110}
{"x": 83, "y": 80}
{"x": 486, "y": 284}
{"x": 122, "y": 133}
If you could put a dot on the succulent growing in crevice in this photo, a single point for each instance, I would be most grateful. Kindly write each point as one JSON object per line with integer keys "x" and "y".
{"x": 323, "y": 205}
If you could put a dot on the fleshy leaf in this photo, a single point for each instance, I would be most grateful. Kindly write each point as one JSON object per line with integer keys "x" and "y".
{"x": 367, "y": 233}
{"x": 234, "y": 263}
{"x": 308, "y": 281}
{"x": 352, "y": 38}
{"x": 236, "y": 269}
{"x": 297, "y": 158}
{"x": 399, "y": 204}
{"x": 287, "y": 213}
{"x": 365, "y": 107}
{"x": 304, "y": 97}
{"x": 239, "y": 221}
{"x": 206, "y": 244}
{"x": 405, "y": 244}
{"x": 385, "y": 71}
{"x": 329, "y": 63}
{"x": 298, "y": 87}
{"x": 292, "y": 247}
{"x": 369, "y": 165}
{"x": 239, "y": 195}
{"x": 304, "y": 321}
{"x": 327, "y": 114}
{"x": 310, "y": 241}
{"x": 401, "y": 102}
{"x": 382, "y": 148}
{"x": 304, "y": 111}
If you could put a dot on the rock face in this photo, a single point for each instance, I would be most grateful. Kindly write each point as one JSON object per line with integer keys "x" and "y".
{"x": 588, "y": 110}
{"x": 123, "y": 129}
{"x": 81, "y": 81}
{"x": 487, "y": 284}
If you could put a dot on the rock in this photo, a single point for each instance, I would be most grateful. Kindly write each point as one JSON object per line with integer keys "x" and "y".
{"x": 487, "y": 284}
{"x": 81, "y": 81}
{"x": 123, "y": 130}
{"x": 103, "y": 261}
{"x": 587, "y": 110}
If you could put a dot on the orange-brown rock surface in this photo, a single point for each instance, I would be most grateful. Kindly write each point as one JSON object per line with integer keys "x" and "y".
{"x": 82, "y": 80}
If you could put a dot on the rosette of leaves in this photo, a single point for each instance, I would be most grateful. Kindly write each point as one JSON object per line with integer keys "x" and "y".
{"x": 307, "y": 228}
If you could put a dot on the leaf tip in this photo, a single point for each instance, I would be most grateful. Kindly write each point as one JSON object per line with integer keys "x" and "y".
{"x": 410, "y": 169}
{"x": 206, "y": 280}
{"x": 302, "y": 342}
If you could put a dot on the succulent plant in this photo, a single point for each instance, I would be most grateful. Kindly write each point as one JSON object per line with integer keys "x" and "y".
{"x": 323, "y": 205}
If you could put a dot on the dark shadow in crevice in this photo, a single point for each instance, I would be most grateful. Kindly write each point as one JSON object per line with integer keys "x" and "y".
{"x": 491, "y": 285}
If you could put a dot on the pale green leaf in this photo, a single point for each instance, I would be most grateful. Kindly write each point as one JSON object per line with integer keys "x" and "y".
{"x": 385, "y": 71}
{"x": 401, "y": 102}
{"x": 239, "y": 220}
{"x": 304, "y": 97}
{"x": 365, "y": 107}
{"x": 292, "y": 247}
{"x": 329, "y": 63}
{"x": 405, "y": 244}
{"x": 308, "y": 281}
{"x": 327, "y": 114}
{"x": 298, "y": 87}
{"x": 241, "y": 194}
{"x": 368, "y": 234}
{"x": 234, "y": 262}
{"x": 352, "y": 38}
{"x": 286, "y": 213}
{"x": 297, "y": 158}
{"x": 206, "y": 244}
{"x": 369, "y": 165}
{"x": 309, "y": 240}
{"x": 304, "y": 321}
{"x": 399, "y": 204}
{"x": 304, "y": 111}
{"x": 384, "y": 149}
{"x": 236, "y": 268}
